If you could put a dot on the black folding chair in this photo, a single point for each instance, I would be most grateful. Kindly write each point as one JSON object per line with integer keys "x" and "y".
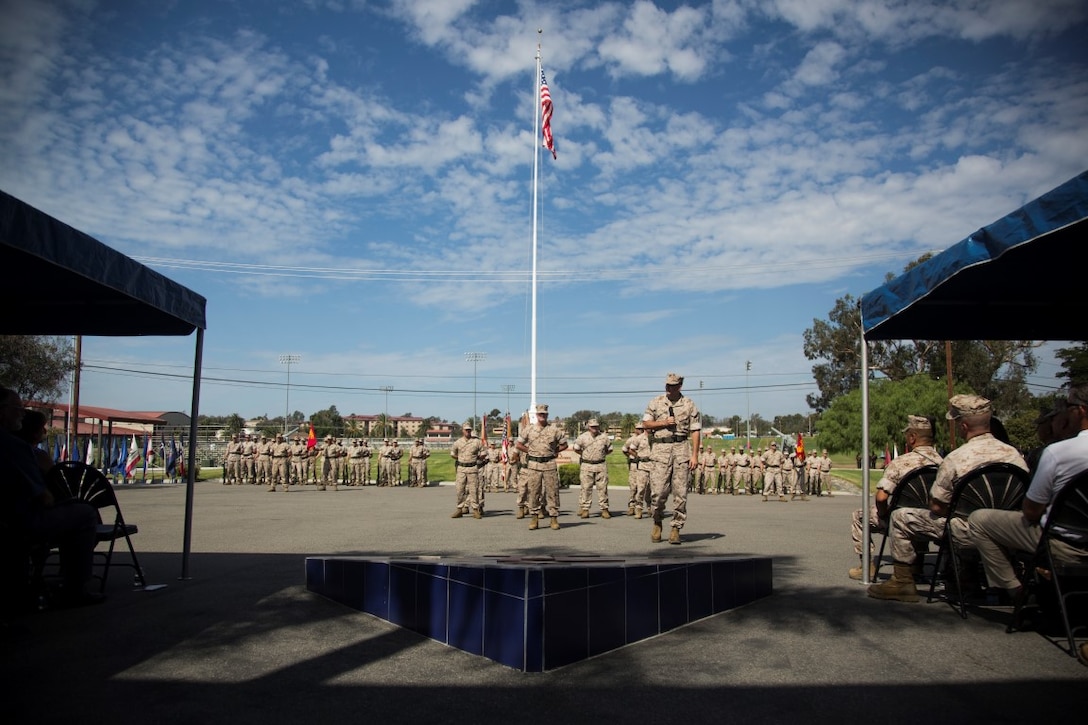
{"x": 992, "y": 486}
{"x": 1066, "y": 522}
{"x": 912, "y": 492}
{"x": 72, "y": 479}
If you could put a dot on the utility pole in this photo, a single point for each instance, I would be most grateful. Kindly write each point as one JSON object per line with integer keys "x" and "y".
{"x": 385, "y": 428}
{"x": 507, "y": 389}
{"x": 474, "y": 358}
{"x": 748, "y": 397}
{"x": 288, "y": 360}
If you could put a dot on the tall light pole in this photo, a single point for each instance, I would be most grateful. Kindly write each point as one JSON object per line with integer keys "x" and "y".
{"x": 474, "y": 358}
{"x": 507, "y": 389}
{"x": 385, "y": 389}
{"x": 288, "y": 360}
{"x": 748, "y": 396}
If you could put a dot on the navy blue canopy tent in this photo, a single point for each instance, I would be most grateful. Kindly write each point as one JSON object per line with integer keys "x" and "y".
{"x": 1020, "y": 278}
{"x": 60, "y": 281}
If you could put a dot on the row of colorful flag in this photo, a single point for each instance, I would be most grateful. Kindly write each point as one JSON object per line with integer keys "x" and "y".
{"x": 124, "y": 456}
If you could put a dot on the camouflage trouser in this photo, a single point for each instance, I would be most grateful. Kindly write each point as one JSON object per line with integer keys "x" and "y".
{"x": 743, "y": 478}
{"x": 264, "y": 469}
{"x": 876, "y": 526}
{"x": 468, "y": 488}
{"x": 543, "y": 486}
{"x": 417, "y": 472}
{"x": 332, "y": 470}
{"x": 280, "y": 472}
{"x": 772, "y": 482}
{"x": 639, "y": 479}
{"x": 234, "y": 470}
{"x": 521, "y": 486}
{"x": 590, "y": 475}
{"x": 789, "y": 481}
{"x": 249, "y": 469}
{"x": 909, "y": 525}
{"x": 670, "y": 473}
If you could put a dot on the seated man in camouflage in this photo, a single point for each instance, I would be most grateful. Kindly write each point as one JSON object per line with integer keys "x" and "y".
{"x": 919, "y": 452}
{"x": 971, "y": 415}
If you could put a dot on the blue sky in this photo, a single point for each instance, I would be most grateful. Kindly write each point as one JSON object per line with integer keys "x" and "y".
{"x": 350, "y": 181}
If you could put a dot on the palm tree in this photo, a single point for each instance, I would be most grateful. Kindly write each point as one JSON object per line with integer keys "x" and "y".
{"x": 383, "y": 425}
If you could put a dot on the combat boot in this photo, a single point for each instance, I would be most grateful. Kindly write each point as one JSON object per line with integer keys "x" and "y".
{"x": 477, "y": 514}
{"x": 555, "y": 523}
{"x": 638, "y": 513}
{"x": 605, "y": 514}
{"x": 655, "y": 534}
{"x": 534, "y": 522}
{"x": 456, "y": 514}
{"x": 899, "y": 588}
{"x": 855, "y": 573}
{"x": 674, "y": 536}
{"x": 782, "y": 499}
{"x": 630, "y": 510}
{"x": 521, "y": 512}
{"x": 918, "y": 568}
{"x": 764, "y": 499}
{"x": 583, "y": 514}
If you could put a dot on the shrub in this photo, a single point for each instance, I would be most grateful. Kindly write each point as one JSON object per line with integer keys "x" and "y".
{"x": 569, "y": 475}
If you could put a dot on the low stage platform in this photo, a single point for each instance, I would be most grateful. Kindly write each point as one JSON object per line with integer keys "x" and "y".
{"x": 539, "y": 613}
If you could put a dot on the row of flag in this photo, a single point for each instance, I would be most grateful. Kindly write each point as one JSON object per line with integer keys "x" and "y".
{"x": 124, "y": 457}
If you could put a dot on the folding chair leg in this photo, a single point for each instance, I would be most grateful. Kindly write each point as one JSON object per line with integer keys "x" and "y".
{"x": 138, "y": 577}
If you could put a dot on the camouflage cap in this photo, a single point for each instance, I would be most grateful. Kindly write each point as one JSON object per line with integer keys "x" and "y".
{"x": 542, "y": 408}
{"x": 592, "y": 423}
{"x": 674, "y": 379}
{"x": 464, "y": 426}
{"x": 918, "y": 422}
{"x": 773, "y": 443}
{"x": 961, "y": 405}
{"x": 640, "y": 426}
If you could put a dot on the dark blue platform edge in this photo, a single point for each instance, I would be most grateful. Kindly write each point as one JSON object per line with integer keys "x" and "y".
{"x": 539, "y": 613}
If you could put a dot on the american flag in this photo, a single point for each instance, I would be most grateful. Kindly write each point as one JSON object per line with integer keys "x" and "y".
{"x": 506, "y": 439}
{"x": 546, "y": 112}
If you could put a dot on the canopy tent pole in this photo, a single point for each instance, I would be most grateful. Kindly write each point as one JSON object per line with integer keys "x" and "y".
{"x": 866, "y": 535}
{"x": 190, "y": 474}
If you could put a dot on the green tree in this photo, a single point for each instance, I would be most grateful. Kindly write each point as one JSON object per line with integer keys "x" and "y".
{"x": 1074, "y": 364}
{"x": 628, "y": 423}
{"x": 328, "y": 422}
{"x": 235, "y": 423}
{"x": 890, "y": 402}
{"x": 995, "y": 369}
{"x": 36, "y": 367}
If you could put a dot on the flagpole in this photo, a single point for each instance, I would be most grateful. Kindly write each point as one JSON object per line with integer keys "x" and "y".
{"x": 536, "y": 177}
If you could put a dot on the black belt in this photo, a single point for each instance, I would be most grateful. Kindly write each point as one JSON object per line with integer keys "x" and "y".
{"x": 465, "y": 464}
{"x": 600, "y": 461}
{"x": 541, "y": 459}
{"x": 773, "y": 466}
{"x": 672, "y": 439}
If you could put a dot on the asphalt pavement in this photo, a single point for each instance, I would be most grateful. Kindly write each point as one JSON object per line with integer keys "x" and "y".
{"x": 241, "y": 640}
